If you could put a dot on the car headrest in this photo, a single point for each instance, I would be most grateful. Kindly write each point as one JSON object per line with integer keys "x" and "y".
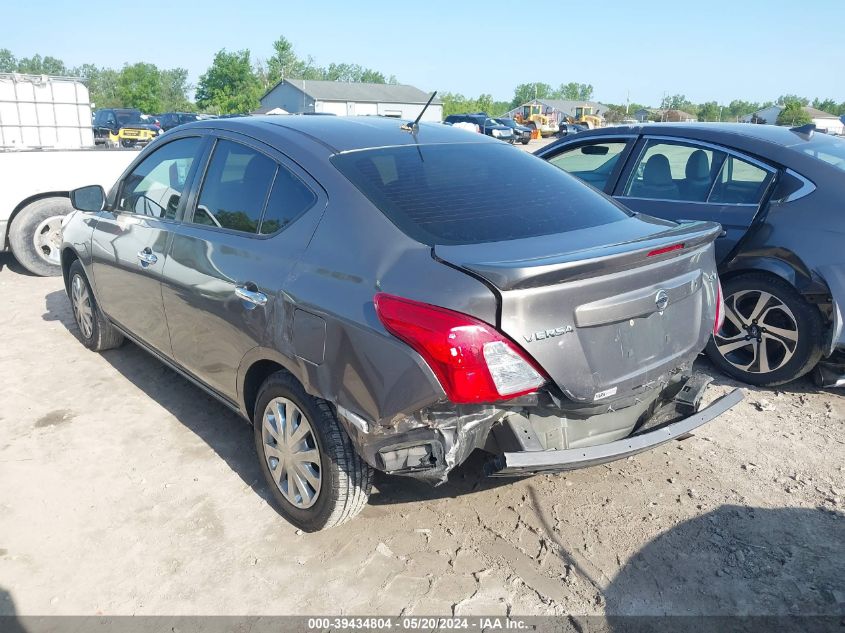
{"x": 698, "y": 167}
{"x": 657, "y": 171}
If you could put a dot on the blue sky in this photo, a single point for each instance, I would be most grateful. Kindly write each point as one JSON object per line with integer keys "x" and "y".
{"x": 751, "y": 49}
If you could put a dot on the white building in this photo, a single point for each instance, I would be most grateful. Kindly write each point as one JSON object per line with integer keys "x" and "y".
{"x": 825, "y": 122}
{"x": 342, "y": 98}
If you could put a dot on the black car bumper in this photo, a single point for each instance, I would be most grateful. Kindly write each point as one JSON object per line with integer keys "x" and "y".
{"x": 526, "y": 463}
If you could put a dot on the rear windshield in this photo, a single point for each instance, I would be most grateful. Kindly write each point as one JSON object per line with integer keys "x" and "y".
{"x": 827, "y": 148}
{"x": 474, "y": 192}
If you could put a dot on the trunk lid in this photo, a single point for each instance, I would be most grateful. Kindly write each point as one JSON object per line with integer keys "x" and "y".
{"x": 604, "y": 310}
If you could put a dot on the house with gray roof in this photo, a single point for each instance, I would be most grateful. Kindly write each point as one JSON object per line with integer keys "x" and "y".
{"x": 824, "y": 121}
{"x": 345, "y": 98}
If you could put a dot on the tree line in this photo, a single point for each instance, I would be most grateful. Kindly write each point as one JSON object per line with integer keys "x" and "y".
{"x": 234, "y": 82}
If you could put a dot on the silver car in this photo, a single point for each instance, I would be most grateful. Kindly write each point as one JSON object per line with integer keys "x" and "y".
{"x": 372, "y": 294}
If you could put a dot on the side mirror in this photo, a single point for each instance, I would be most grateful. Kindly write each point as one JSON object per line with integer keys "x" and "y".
{"x": 91, "y": 198}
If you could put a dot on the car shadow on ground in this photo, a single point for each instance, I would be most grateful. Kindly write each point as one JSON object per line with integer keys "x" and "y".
{"x": 231, "y": 437}
{"x": 9, "y": 622}
{"x": 7, "y": 260}
{"x": 733, "y": 561}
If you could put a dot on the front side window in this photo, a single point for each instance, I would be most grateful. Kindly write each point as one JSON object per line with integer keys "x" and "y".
{"x": 235, "y": 188}
{"x": 674, "y": 171}
{"x": 155, "y": 187}
{"x": 591, "y": 163}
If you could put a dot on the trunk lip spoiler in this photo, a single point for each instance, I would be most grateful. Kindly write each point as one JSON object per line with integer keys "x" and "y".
{"x": 522, "y": 463}
{"x": 590, "y": 262}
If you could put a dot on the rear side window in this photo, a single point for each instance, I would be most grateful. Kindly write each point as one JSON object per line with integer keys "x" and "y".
{"x": 675, "y": 171}
{"x": 235, "y": 188}
{"x": 739, "y": 182}
{"x": 473, "y": 193}
{"x": 289, "y": 198}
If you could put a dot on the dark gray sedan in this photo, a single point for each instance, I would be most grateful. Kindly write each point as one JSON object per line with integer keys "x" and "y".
{"x": 372, "y": 294}
{"x": 777, "y": 192}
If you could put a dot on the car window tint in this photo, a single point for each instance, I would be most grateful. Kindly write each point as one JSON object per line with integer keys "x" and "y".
{"x": 235, "y": 188}
{"x": 674, "y": 171}
{"x": 740, "y": 182}
{"x": 155, "y": 187}
{"x": 289, "y": 198}
{"x": 472, "y": 193}
{"x": 591, "y": 163}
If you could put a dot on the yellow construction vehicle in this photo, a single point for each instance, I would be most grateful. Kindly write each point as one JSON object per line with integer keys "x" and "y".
{"x": 531, "y": 115}
{"x": 584, "y": 116}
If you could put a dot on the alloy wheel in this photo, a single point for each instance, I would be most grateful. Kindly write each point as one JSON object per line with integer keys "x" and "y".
{"x": 291, "y": 453}
{"x": 760, "y": 332}
{"x": 48, "y": 239}
{"x": 83, "y": 312}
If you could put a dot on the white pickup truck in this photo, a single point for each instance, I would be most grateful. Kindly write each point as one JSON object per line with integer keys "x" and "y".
{"x": 46, "y": 150}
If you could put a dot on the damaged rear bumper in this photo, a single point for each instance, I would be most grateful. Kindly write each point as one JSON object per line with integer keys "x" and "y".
{"x": 530, "y": 462}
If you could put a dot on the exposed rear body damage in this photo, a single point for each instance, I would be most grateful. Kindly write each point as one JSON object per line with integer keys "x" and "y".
{"x": 388, "y": 298}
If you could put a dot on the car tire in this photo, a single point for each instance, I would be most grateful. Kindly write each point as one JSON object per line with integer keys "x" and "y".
{"x": 310, "y": 498}
{"x": 525, "y": 141}
{"x": 35, "y": 235}
{"x": 771, "y": 335}
{"x": 95, "y": 331}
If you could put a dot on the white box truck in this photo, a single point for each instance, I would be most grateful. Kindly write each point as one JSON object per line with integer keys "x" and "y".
{"x": 46, "y": 150}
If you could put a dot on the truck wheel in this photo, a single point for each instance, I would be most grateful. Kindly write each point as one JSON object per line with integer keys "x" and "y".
{"x": 314, "y": 474}
{"x": 95, "y": 331}
{"x": 36, "y": 235}
{"x": 771, "y": 335}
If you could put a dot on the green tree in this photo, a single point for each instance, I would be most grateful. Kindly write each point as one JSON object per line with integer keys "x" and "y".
{"x": 283, "y": 63}
{"x": 139, "y": 86}
{"x": 8, "y": 62}
{"x": 825, "y": 105}
{"x": 574, "y": 91}
{"x": 793, "y": 114}
{"x": 229, "y": 86}
{"x": 710, "y": 111}
{"x": 173, "y": 90}
{"x": 786, "y": 99}
{"x": 678, "y": 102}
{"x": 526, "y": 92}
{"x": 37, "y": 65}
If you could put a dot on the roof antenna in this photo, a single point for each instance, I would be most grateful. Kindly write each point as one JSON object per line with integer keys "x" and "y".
{"x": 415, "y": 126}
{"x": 804, "y": 130}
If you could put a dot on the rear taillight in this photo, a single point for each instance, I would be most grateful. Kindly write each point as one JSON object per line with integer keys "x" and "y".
{"x": 720, "y": 308}
{"x": 471, "y": 359}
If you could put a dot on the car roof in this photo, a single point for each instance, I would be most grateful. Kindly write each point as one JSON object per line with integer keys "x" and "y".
{"x": 344, "y": 133}
{"x": 703, "y": 131}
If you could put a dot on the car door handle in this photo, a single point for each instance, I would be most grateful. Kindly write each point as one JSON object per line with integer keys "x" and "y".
{"x": 147, "y": 257}
{"x": 246, "y": 293}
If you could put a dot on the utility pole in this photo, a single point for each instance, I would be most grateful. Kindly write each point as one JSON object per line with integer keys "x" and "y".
{"x": 627, "y": 101}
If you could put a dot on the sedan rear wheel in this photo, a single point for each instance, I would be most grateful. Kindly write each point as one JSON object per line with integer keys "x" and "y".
{"x": 315, "y": 476}
{"x": 770, "y": 336}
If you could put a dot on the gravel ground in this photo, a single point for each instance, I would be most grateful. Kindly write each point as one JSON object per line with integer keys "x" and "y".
{"x": 126, "y": 490}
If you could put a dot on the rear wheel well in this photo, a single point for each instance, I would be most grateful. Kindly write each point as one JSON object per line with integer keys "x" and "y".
{"x": 254, "y": 378}
{"x": 813, "y": 293}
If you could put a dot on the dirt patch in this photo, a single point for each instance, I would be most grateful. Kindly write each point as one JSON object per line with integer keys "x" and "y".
{"x": 55, "y": 418}
{"x": 153, "y": 503}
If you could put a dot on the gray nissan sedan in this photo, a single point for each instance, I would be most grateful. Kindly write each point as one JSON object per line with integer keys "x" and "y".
{"x": 377, "y": 294}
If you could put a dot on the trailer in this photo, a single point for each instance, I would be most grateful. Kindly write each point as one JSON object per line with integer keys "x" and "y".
{"x": 46, "y": 150}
